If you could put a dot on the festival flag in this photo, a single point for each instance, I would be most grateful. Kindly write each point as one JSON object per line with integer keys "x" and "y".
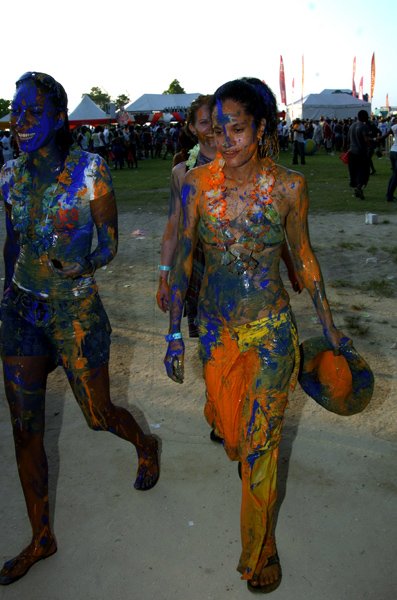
{"x": 387, "y": 102}
{"x": 361, "y": 89}
{"x": 372, "y": 76}
{"x": 282, "y": 82}
{"x": 354, "y": 93}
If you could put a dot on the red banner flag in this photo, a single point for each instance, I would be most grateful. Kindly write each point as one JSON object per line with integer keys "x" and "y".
{"x": 372, "y": 75}
{"x": 361, "y": 89}
{"x": 387, "y": 102}
{"x": 354, "y": 93}
{"x": 282, "y": 82}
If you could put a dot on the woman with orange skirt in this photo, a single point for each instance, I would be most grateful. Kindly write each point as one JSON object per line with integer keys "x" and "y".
{"x": 243, "y": 207}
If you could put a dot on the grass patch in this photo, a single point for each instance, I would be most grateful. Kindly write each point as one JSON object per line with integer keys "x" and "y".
{"x": 379, "y": 287}
{"x": 372, "y": 249}
{"x": 393, "y": 252}
{"x": 349, "y": 245}
{"x": 340, "y": 283}
{"x": 355, "y": 325}
{"x": 327, "y": 178}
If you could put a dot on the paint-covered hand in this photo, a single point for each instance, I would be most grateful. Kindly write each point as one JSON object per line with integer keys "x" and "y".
{"x": 295, "y": 281}
{"x": 174, "y": 360}
{"x": 163, "y": 295}
{"x": 336, "y": 338}
{"x": 74, "y": 269}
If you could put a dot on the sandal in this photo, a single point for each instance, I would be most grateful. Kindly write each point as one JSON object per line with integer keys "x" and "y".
{"x": 268, "y": 587}
{"x": 214, "y": 437}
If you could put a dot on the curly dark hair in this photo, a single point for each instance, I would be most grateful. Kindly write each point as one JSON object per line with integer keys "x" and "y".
{"x": 259, "y": 101}
{"x": 55, "y": 90}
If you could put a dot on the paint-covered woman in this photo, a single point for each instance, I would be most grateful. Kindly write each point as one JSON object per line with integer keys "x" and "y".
{"x": 243, "y": 207}
{"x": 55, "y": 197}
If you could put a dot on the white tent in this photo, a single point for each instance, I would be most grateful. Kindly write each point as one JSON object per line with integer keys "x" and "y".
{"x": 5, "y": 121}
{"x": 171, "y": 103}
{"x": 88, "y": 113}
{"x": 332, "y": 104}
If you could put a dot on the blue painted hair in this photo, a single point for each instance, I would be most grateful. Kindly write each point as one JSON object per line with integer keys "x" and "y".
{"x": 258, "y": 101}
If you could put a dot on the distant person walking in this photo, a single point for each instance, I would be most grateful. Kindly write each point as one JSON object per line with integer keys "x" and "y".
{"x": 359, "y": 146}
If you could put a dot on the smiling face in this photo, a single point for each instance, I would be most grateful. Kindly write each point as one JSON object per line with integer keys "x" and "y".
{"x": 34, "y": 118}
{"x": 236, "y": 135}
{"x": 202, "y": 127}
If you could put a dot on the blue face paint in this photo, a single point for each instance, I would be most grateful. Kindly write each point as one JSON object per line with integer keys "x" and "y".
{"x": 34, "y": 118}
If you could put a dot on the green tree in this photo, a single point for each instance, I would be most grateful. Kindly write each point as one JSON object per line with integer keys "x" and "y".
{"x": 175, "y": 88}
{"x": 100, "y": 97}
{"x": 121, "y": 101}
{"x": 4, "y": 107}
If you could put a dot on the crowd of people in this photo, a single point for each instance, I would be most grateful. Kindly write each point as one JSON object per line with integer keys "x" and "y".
{"x": 332, "y": 134}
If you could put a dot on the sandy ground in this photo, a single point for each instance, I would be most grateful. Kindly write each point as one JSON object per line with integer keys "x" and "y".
{"x": 337, "y": 527}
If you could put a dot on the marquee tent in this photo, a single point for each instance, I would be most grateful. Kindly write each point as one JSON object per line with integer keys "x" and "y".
{"x": 88, "y": 113}
{"x": 332, "y": 104}
{"x": 5, "y": 121}
{"x": 175, "y": 104}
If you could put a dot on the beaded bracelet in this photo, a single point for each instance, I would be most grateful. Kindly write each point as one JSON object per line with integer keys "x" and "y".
{"x": 164, "y": 268}
{"x": 170, "y": 337}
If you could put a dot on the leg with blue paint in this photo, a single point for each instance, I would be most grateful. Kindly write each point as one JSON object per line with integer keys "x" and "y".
{"x": 25, "y": 381}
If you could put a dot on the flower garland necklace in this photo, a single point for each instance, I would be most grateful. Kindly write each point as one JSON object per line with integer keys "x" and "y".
{"x": 260, "y": 195}
{"x": 193, "y": 154}
{"x": 259, "y": 199}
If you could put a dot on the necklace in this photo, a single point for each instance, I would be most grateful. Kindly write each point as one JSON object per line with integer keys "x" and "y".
{"x": 259, "y": 201}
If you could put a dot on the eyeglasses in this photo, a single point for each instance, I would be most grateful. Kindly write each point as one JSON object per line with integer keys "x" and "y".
{"x": 50, "y": 83}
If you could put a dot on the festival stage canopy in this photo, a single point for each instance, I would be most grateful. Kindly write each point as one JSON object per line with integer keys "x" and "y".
{"x": 5, "y": 121}
{"x": 174, "y": 104}
{"x": 332, "y": 104}
{"x": 88, "y": 113}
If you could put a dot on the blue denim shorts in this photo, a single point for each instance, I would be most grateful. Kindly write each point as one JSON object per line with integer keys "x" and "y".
{"x": 73, "y": 333}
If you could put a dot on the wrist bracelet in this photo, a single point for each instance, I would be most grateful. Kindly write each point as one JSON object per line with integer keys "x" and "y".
{"x": 170, "y": 337}
{"x": 164, "y": 268}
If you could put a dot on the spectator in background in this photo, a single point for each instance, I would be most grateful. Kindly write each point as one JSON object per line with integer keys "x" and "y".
{"x": 392, "y": 185}
{"x": 298, "y": 130}
{"x": 359, "y": 163}
{"x": 6, "y": 144}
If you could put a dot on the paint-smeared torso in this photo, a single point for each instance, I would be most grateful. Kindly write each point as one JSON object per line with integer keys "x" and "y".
{"x": 56, "y": 224}
{"x": 242, "y": 237}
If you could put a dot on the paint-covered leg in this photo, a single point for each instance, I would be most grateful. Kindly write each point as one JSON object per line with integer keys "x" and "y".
{"x": 25, "y": 379}
{"x": 148, "y": 465}
{"x": 92, "y": 391}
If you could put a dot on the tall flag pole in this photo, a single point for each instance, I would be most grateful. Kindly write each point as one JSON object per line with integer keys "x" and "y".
{"x": 282, "y": 82}
{"x": 387, "y": 102}
{"x": 354, "y": 93}
{"x": 303, "y": 77}
{"x": 372, "y": 75}
{"x": 361, "y": 89}
{"x": 293, "y": 96}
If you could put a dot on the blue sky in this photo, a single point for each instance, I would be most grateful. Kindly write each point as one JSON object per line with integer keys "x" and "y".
{"x": 136, "y": 48}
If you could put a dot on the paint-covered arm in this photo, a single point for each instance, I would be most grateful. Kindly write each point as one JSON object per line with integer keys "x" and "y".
{"x": 104, "y": 215}
{"x": 306, "y": 263}
{"x": 289, "y": 263}
{"x": 170, "y": 236}
{"x": 181, "y": 274}
{"x": 11, "y": 248}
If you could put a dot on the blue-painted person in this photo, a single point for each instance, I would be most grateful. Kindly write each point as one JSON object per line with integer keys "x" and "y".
{"x": 56, "y": 196}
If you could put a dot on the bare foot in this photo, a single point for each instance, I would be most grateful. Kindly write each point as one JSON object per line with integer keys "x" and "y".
{"x": 17, "y": 567}
{"x": 269, "y": 578}
{"x": 148, "y": 465}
